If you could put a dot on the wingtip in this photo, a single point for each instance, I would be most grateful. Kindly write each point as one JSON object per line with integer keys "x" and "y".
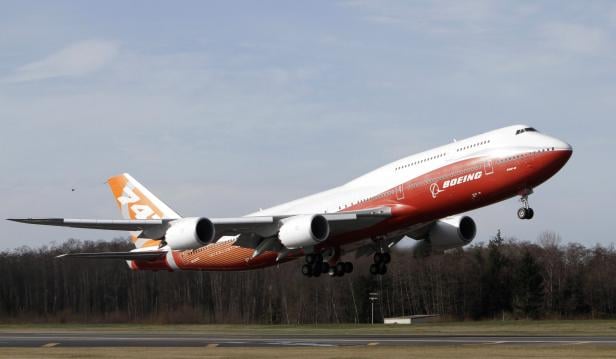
{"x": 22, "y": 220}
{"x": 26, "y": 220}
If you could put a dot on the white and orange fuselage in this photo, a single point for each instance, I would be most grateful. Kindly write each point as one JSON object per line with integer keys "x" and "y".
{"x": 444, "y": 181}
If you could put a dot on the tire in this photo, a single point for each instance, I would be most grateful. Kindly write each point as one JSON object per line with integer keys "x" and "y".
{"x": 309, "y": 258}
{"x": 317, "y": 268}
{"x": 378, "y": 257}
{"x": 325, "y": 267}
{"x": 340, "y": 269}
{"x": 382, "y": 269}
{"x": 386, "y": 258}
{"x": 530, "y": 214}
{"x": 374, "y": 270}
{"x": 348, "y": 267}
{"x": 522, "y": 213}
{"x": 307, "y": 270}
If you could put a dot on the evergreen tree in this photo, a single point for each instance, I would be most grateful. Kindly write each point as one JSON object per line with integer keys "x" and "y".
{"x": 528, "y": 297}
{"x": 497, "y": 279}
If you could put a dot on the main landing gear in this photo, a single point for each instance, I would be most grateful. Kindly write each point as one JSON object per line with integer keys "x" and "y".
{"x": 340, "y": 269}
{"x": 315, "y": 266}
{"x": 379, "y": 267}
{"x": 525, "y": 212}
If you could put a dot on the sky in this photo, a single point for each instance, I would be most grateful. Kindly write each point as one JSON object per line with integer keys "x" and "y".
{"x": 224, "y": 107}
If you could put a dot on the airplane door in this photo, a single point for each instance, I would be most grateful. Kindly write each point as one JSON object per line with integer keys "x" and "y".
{"x": 400, "y": 192}
{"x": 488, "y": 167}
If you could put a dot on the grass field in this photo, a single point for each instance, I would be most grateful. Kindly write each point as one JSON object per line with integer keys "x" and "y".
{"x": 521, "y": 327}
{"x": 458, "y": 352}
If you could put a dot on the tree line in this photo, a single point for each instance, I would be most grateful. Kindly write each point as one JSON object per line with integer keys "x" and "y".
{"x": 503, "y": 278}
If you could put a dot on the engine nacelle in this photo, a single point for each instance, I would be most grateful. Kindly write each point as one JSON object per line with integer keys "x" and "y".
{"x": 447, "y": 233}
{"x": 190, "y": 233}
{"x": 303, "y": 230}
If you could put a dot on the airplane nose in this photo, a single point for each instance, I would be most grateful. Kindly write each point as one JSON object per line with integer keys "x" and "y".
{"x": 562, "y": 145}
{"x": 562, "y": 152}
{"x": 559, "y": 144}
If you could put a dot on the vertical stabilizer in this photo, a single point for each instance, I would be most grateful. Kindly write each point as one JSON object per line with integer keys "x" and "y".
{"x": 136, "y": 202}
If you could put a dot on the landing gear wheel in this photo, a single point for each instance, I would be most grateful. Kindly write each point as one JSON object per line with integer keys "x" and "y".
{"x": 522, "y": 213}
{"x": 386, "y": 258}
{"x": 348, "y": 267}
{"x": 317, "y": 268}
{"x": 325, "y": 267}
{"x": 310, "y": 258}
{"x": 374, "y": 270}
{"x": 378, "y": 257}
{"x": 382, "y": 268}
{"x": 530, "y": 213}
{"x": 307, "y": 270}
{"x": 526, "y": 213}
{"x": 339, "y": 269}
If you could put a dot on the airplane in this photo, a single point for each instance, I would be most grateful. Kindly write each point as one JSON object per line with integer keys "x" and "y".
{"x": 422, "y": 196}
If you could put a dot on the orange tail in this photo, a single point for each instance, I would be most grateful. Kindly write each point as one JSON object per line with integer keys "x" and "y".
{"x": 136, "y": 202}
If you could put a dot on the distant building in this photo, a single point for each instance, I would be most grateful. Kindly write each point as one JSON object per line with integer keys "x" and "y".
{"x": 412, "y": 319}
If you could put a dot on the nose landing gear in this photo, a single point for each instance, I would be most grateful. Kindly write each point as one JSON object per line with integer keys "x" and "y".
{"x": 525, "y": 212}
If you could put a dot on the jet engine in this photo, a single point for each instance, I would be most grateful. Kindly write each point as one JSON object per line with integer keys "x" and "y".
{"x": 447, "y": 233}
{"x": 303, "y": 230}
{"x": 190, "y": 233}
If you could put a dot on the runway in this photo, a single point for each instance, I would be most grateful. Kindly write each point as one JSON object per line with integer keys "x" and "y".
{"x": 106, "y": 339}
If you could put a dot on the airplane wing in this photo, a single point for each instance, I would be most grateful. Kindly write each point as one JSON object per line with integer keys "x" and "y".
{"x": 144, "y": 255}
{"x": 417, "y": 231}
{"x": 245, "y": 227}
{"x": 156, "y": 228}
{"x": 342, "y": 222}
{"x": 110, "y": 224}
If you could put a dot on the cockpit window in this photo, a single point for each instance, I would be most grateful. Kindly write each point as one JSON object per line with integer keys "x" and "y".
{"x": 527, "y": 129}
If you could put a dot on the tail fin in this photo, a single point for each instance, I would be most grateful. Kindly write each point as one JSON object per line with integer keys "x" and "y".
{"x": 136, "y": 202}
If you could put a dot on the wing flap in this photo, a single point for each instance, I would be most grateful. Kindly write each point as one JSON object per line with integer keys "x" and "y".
{"x": 261, "y": 226}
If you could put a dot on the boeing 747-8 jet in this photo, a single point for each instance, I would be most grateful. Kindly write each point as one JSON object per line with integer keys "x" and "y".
{"x": 420, "y": 196}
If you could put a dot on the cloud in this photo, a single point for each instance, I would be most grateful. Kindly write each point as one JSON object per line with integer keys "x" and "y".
{"x": 442, "y": 16}
{"x": 575, "y": 38}
{"x": 77, "y": 59}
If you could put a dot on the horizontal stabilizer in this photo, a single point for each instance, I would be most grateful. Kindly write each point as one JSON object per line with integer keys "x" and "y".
{"x": 143, "y": 256}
